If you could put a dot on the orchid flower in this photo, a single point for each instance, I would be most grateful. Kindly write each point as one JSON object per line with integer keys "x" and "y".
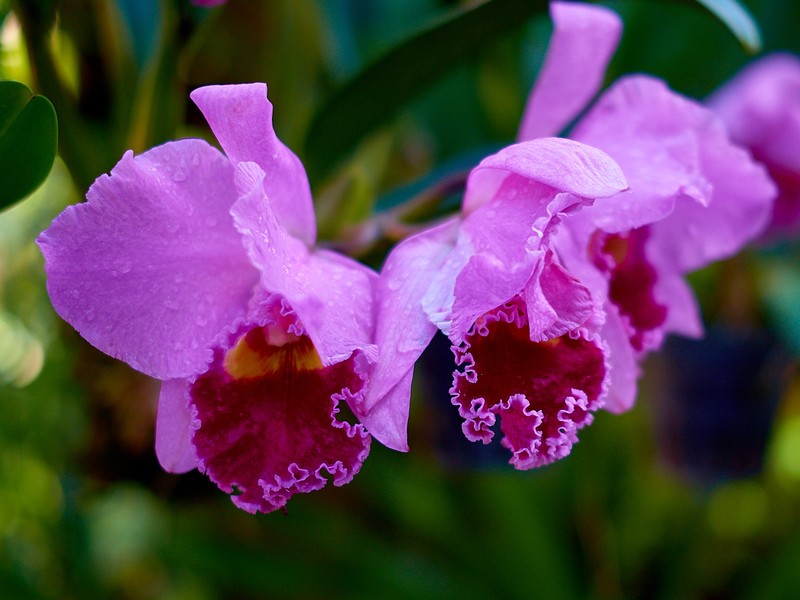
{"x": 695, "y": 197}
{"x": 761, "y": 109}
{"x": 550, "y": 292}
{"x": 199, "y": 269}
{"x": 523, "y": 329}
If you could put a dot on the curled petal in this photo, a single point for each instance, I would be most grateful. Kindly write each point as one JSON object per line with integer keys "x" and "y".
{"x": 564, "y": 165}
{"x": 150, "y": 269}
{"x": 174, "y": 427}
{"x": 331, "y": 293}
{"x": 241, "y": 118}
{"x": 556, "y": 302}
{"x": 583, "y": 42}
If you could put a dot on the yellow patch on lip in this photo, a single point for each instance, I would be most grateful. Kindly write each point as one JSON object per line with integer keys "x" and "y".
{"x": 617, "y": 247}
{"x": 267, "y": 351}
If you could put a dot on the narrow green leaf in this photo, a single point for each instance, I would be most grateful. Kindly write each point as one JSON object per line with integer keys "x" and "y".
{"x": 738, "y": 20}
{"x": 28, "y": 141}
{"x": 377, "y": 93}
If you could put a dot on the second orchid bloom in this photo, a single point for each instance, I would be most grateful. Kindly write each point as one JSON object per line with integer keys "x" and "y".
{"x": 566, "y": 265}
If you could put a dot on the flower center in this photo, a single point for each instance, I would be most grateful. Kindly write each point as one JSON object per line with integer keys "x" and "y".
{"x": 265, "y": 351}
{"x": 631, "y": 281}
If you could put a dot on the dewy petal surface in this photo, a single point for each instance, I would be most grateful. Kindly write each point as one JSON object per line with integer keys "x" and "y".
{"x": 562, "y": 164}
{"x": 174, "y": 428}
{"x": 241, "y": 118}
{"x": 151, "y": 269}
{"x": 583, "y": 42}
{"x": 267, "y": 424}
{"x": 331, "y": 293}
{"x": 543, "y": 392}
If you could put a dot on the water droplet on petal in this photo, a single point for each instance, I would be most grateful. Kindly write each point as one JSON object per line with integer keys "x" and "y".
{"x": 179, "y": 176}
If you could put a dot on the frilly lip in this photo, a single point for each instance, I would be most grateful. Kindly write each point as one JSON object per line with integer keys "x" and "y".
{"x": 539, "y": 414}
{"x": 271, "y": 429}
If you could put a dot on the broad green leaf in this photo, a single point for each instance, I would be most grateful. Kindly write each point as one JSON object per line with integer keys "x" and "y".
{"x": 738, "y": 20}
{"x": 383, "y": 88}
{"x": 28, "y": 141}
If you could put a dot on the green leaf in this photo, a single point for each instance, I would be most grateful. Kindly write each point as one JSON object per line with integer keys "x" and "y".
{"x": 28, "y": 141}
{"x": 738, "y": 20}
{"x": 377, "y": 93}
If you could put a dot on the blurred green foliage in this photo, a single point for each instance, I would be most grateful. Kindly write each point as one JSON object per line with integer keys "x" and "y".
{"x": 85, "y": 510}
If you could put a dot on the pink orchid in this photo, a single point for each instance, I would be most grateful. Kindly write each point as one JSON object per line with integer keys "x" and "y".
{"x": 761, "y": 109}
{"x": 524, "y": 330}
{"x": 549, "y": 297}
{"x": 694, "y": 196}
{"x": 199, "y": 269}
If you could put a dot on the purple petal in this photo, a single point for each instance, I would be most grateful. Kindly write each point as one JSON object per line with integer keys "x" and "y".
{"x": 517, "y": 200}
{"x": 556, "y": 302}
{"x": 583, "y": 41}
{"x": 623, "y": 364}
{"x": 332, "y": 294}
{"x": 674, "y": 150}
{"x": 761, "y": 110}
{"x": 653, "y": 134}
{"x": 564, "y": 165}
{"x": 387, "y": 420}
{"x": 241, "y": 118}
{"x": 174, "y": 428}
{"x": 151, "y": 269}
{"x": 267, "y": 417}
{"x": 632, "y": 279}
{"x": 403, "y": 329}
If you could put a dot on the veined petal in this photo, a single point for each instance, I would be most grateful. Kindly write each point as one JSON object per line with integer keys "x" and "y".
{"x": 150, "y": 269}
{"x": 241, "y": 118}
{"x": 403, "y": 329}
{"x": 174, "y": 427}
{"x": 707, "y": 195}
{"x": 562, "y": 164}
{"x": 653, "y": 134}
{"x": 583, "y": 42}
{"x": 387, "y": 421}
{"x": 332, "y": 294}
